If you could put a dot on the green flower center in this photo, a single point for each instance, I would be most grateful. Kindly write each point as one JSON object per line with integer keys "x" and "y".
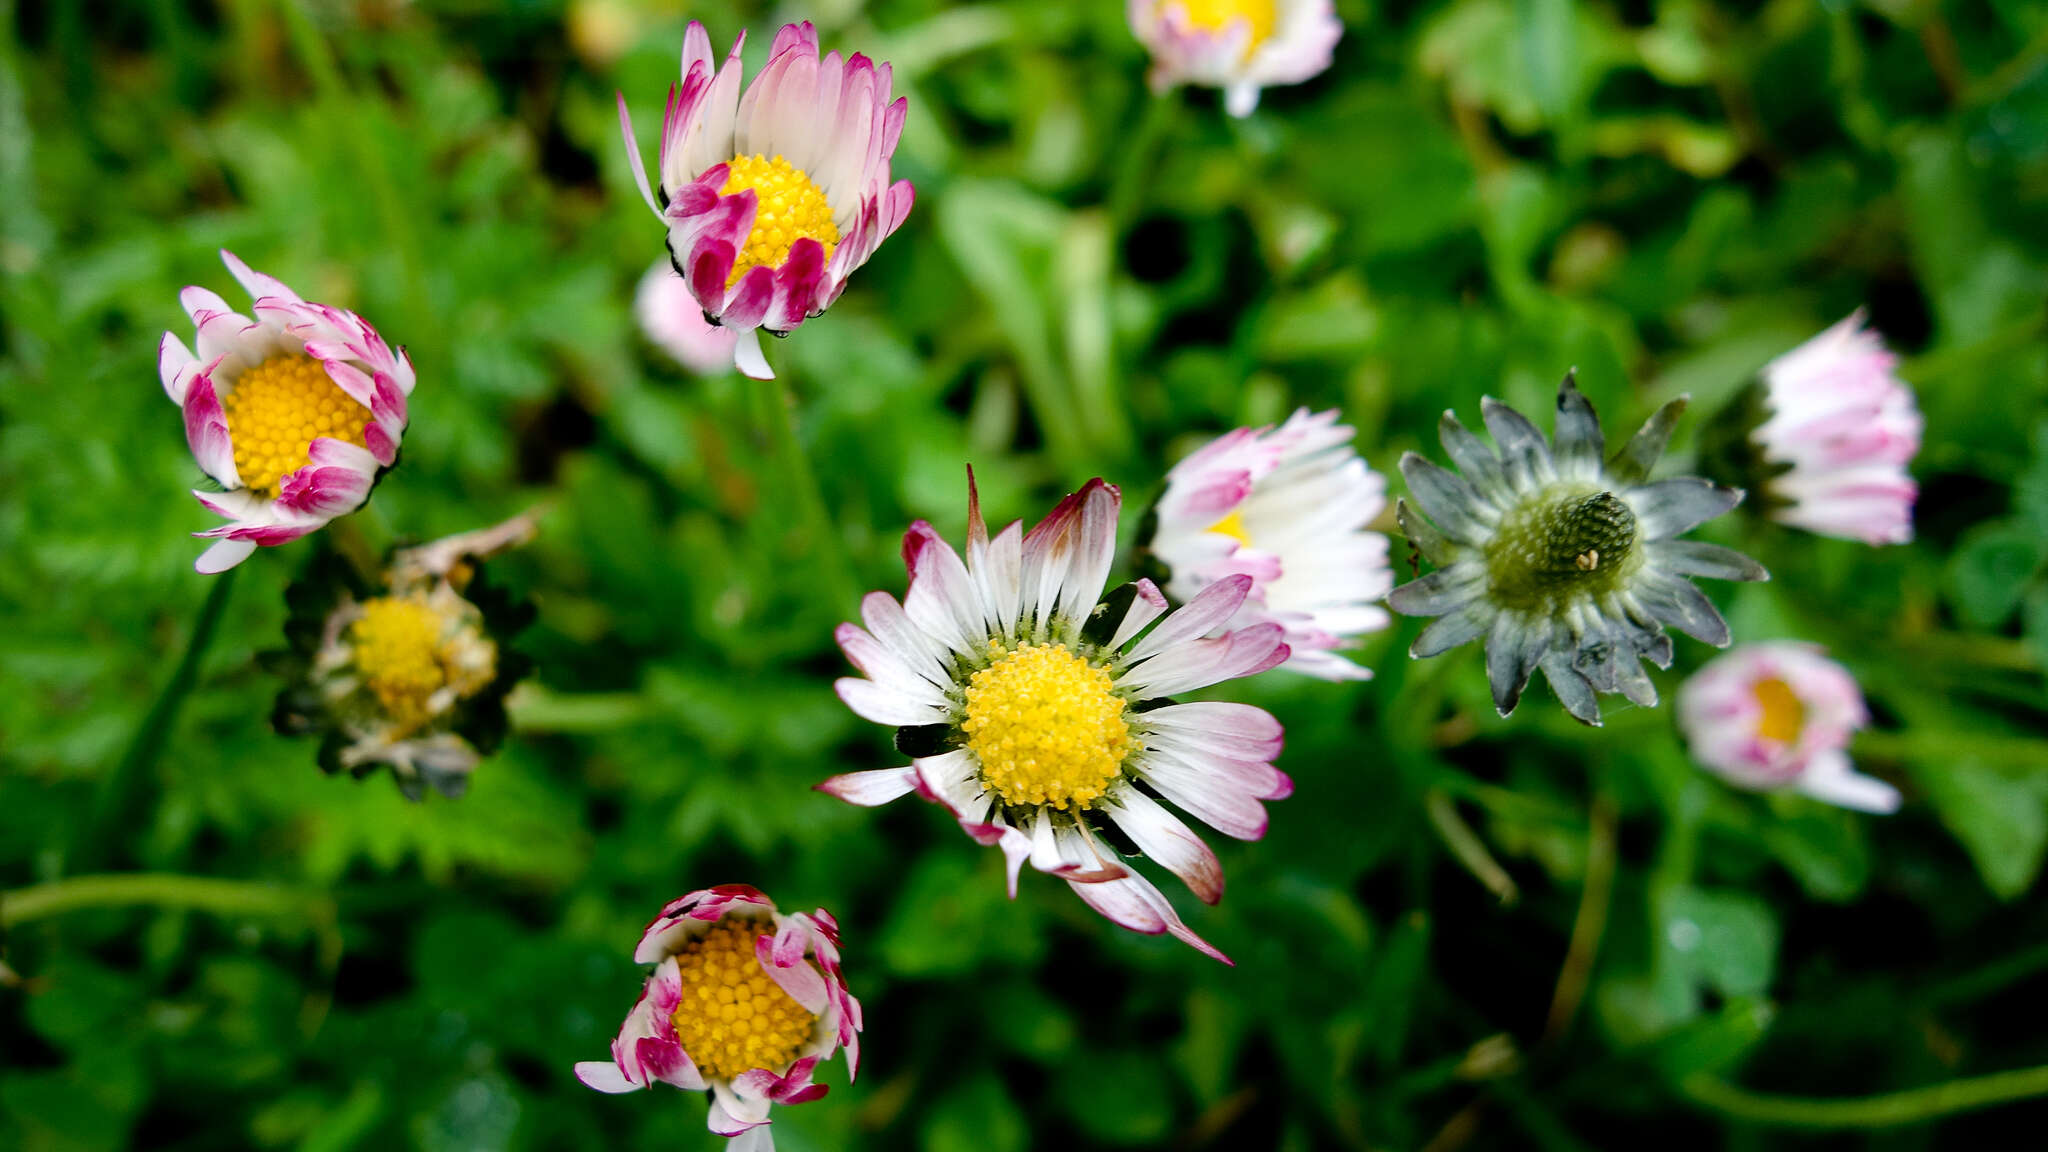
{"x": 1562, "y": 545}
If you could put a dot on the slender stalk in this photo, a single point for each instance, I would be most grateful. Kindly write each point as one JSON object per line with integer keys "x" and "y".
{"x": 793, "y": 467}
{"x": 158, "y": 890}
{"x": 1466, "y": 846}
{"x": 1138, "y": 164}
{"x": 1591, "y": 923}
{"x": 1914, "y": 1106}
{"x": 122, "y": 792}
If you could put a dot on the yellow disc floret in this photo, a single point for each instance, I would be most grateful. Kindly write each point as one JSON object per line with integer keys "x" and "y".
{"x": 1046, "y": 726}
{"x": 408, "y": 649}
{"x": 1233, "y": 527}
{"x": 1784, "y": 714}
{"x": 734, "y": 1016}
{"x": 1219, "y": 15}
{"x": 789, "y": 207}
{"x": 277, "y": 409}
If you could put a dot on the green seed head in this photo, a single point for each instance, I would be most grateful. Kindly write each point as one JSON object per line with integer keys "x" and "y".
{"x": 1560, "y": 546}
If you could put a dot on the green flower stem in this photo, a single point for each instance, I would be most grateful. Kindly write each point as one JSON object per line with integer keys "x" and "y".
{"x": 159, "y": 890}
{"x": 1591, "y": 923}
{"x": 1913, "y": 1106}
{"x": 1466, "y": 846}
{"x": 533, "y": 708}
{"x": 792, "y": 467}
{"x": 1138, "y": 165}
{"x": 122, "y": 792}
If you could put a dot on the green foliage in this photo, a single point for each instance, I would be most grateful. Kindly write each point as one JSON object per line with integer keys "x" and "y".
{"x": 1478, "y": 195}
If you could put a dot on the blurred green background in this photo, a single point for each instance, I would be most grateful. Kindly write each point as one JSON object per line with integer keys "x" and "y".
{"x": 1461, "y": 932}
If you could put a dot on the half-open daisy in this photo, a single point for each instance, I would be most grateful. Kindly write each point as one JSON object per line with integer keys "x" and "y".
{"x": 774, "y": 197}
{"x": 1031, "y": 710}
{"x": 1779, "y": 716}
{"x": 294, "y": 412}
{"x": 1286, "y": 506}
{"x": 1240, "y": 46}
{"x": 1561, "y": 561}
{"x": 743, "y": 1002}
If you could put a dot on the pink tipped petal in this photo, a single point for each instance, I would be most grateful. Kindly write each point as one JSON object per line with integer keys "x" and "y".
{"x": 1136, "y": 904}
{"x": 869, "y": 789}
{"x": 605, "y": 1076}
{"x": 223, "y": 556}
{"x": 258, "y": 285}
{"x": 747, "y": 357}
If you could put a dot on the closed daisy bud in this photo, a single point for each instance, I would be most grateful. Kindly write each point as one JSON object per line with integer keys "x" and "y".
{"x": 1838, "y": 429}
{"x": 294, "y": 412}
{"x": 743, "y": 1003}
{"x": 671, "y": 318}
{"x": 1240, "y": 46}
{"x": 1561, "y": 560}
{"x": 1287, "y": 507}
{"x": 1033, "y": 712}
{"x": 1779, "y": 716}
{"x": 774, "y": 197}
{"x": 411, "y": 676}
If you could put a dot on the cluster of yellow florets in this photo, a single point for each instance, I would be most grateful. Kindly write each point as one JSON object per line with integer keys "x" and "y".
{"x": 1046, "y": 726}
{"x": 407, "y": 649}
{"x": 734, "y": 1017}
{"x": 789, "y": 206}
{"x": 277, "y": 409}
{"x": 1218, "y": 15}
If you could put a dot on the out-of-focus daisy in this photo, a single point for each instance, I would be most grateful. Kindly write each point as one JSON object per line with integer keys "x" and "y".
{"x": 1030, "y": 711}
{"x": 1838, "y": 431}
{"x": 411, "y": 676}
{"x": 1240, "y": 46}
{"x": 1779, "y": 715}
{"x": 294, "y": 412}
{"x": 773, "y": 198}
{"x": 1560, "y": 561}
{"x": 671, "y": 317}
{"x": 1287, "y": 507}
{"x": 743, "y": 1002}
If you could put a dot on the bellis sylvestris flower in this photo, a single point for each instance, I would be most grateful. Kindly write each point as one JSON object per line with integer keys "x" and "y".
{"x": 674, "y": 321}
{"x": 1030, "y": 712}
{"x": 773, "y": 198}
{"x": 1561, "y": 561}
{"x": 1287, "y": 507}
{"x": 294, "y": 412}
{"x": 412, "y": 676}
{"x": 743, "y": 1002}
{"x": 1777, "y": 716}
{"x": 1840, "y": 429}
{"x": 1240, "y": 46}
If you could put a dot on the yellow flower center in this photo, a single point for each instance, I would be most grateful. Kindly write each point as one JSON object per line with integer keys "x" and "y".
{"x": 277, "y": 409}
{"x": 1046, "y": 727}
{"x": 1218, "y": 15}
{"x": 1784, "y": 714}
{"x": 789, "y": 207}
{"x": 734, "y": 1017}
{"x": 1233, "y": 527}
{"x": 404, "y": 654}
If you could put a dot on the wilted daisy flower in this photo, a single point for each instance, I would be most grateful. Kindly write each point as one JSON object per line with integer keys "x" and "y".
{"x": 294, "y": 412}
{"x": 1287, "y": 507}
{"x": 674, "y": 321}
{"x": 743, "y": 1002}
{"x": 1030, "y": 711}
{"x": 412, "y": 676}
{"x": 1770, "y": 716}
{"x": 1837, "y": 433}
{"x": 773, "y": 198}
{"x": 1239, "y": 46}
{"x": 1559, "y": 561}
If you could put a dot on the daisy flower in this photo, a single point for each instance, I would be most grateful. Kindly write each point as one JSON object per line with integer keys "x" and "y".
{"x": 671, "y": 317}
{"x": 1561, "y": 561}
{"x": 1779, "y": 716}
{"x": 1032, "y": 712}
{"x": 1240, "y": 46}
{"x": 1838, "y": 431}
{"x": 1287, "y": 507}
{"x": 774, "y": 197}
{"x": 412, "y": 676}
{"x": 294, "y": 412}
{"x": 743, "y": 1002}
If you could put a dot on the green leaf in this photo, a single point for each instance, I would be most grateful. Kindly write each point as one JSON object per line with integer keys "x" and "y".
{"x": 979, "y": 1116}
{"x": 1118, "y": 1097}
{"x": 1727, "y": 941}
{"x": 1992, "y": 568}
{"x": 2001, "y": 818}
